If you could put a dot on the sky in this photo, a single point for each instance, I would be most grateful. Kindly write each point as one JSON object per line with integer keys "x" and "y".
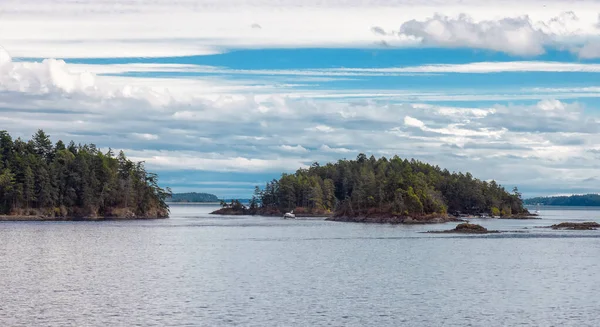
{"x": 219, "y": 96}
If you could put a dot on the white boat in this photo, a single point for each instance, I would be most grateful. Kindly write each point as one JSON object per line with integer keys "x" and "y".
{"x": 289, "y": 215}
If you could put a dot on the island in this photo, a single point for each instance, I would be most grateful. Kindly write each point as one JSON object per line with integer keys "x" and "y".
{"x": 372, "y": 190}
{"x": 192, "y": 197}
{"x": 40, "y": 180}
{"x": 591, "y": 200}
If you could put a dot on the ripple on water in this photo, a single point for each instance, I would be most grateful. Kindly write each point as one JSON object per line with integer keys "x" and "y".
{"x": 255, "y": 271}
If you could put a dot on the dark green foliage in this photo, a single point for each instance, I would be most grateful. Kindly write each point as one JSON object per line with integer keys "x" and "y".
{"x": 193, "y": 197}
{"x": 386, "y": 186}
{"x": 37, "y": 176}
{"x": 573, "y": 200}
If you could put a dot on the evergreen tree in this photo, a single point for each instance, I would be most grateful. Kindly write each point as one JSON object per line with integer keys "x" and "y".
{"x": 43, "y": 145}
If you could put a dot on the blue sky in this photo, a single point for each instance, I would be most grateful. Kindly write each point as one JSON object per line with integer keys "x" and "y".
{"x": 219, "y": 96}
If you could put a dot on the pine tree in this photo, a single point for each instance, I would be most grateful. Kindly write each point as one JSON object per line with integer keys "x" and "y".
{"x": 42, "y": 145}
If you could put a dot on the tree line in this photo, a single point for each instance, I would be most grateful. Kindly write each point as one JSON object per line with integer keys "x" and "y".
{"x": 42, "y": 178}
{"x": 385, "y": 186}
{"x": 572, "y": 200}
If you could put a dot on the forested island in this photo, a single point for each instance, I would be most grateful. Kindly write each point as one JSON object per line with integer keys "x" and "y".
{"x": 40, "y": 180}
{"x": 591, "y": 200}
{"x": 381, "y": 190}
{"x": 193, "y": 197}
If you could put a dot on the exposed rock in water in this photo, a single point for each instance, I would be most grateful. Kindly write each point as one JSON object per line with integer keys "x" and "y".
{"x": 467, "y": 228}
{"x": 231, "y": 212}
{"x": 589, "y": 225}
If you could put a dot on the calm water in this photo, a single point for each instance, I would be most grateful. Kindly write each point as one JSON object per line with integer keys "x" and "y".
{"x": 198, "y": 270}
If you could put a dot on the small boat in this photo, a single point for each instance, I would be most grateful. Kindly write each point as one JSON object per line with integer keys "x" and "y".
{"x": 290, "y": 215}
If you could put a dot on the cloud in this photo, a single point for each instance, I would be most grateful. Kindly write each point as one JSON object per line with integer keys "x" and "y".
{"x": 378, "y": 30}
{"x": 101, "y": 29}
{"x": 413, "y": 122}
{"x": 326, "y": 148}
{"x": 477, "y": 68}
{"x": 296, "y": 149}
{"x": 45, "y": 77}
{"x": 176, "y": 160}
{"x": 321, "y": 128}
{"x": 5, "y": 58}
{"x": 516, "y": 36}
{"x": 53, "y": 78}
{"x": 590, "y": 50}
{"x": 144, "y": 136}
{"x": 328, "y": 74}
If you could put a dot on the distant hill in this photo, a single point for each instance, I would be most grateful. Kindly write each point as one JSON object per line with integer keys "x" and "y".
{"x": 193, "y": 197}
{"x": 573, "y": 200}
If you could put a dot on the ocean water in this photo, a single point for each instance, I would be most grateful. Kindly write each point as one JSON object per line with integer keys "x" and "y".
{"x": 195, "y": 269}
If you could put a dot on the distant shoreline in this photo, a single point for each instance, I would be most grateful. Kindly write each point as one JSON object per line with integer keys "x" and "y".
{"x": 576, "y": 200}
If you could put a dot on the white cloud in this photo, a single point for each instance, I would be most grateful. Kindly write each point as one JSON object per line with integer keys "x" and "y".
{"x": 327, "y": 148}
{"x": 516, "y": 35}
{"x": 178, "y": 160}
{"x": 53, "y": 77}
{"x": 479, "y": 68}
{"x": 413, "y": 122}
{"x": 67, "y": 29}
{"x": 297, "y": 149}
{"x": 144, "y": 136}
{"x": 321, "y": 75}
{"x": 321, "y": 128}
{"x": 45, "y": 77}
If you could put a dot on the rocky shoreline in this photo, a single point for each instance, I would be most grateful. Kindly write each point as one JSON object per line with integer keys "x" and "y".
{"x": 112, "y": 214}
{"x": 377, "y": 218}
{"x": 521, "y": 216}
{"x": 266, "y": 212}
{"x": 48, "y": 218}
{"x": 391, "y": 219}
{"x": 588, "y": 225}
